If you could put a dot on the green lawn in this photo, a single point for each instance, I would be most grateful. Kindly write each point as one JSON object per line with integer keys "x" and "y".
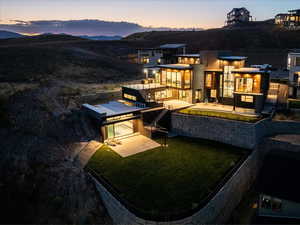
{"x": 167, "y": 179}
{"x": 294, "y": 103}
{"x": 223, "y": 115}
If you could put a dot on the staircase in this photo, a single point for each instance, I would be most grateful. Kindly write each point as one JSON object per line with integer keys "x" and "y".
{"x": 159, "y": 117}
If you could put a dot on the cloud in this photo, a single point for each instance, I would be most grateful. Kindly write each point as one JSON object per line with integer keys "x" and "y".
{"x": 78, "y": 27}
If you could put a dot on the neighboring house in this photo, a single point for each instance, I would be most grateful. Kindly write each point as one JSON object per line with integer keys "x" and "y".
{"x": 210, "y": 76}
{"x": 238, "y": 16}
{"x": 289, "y": 20}
{"x": 293, "y": 65}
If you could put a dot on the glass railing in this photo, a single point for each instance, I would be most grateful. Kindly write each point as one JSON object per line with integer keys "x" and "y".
{"x": 144, "y": 86}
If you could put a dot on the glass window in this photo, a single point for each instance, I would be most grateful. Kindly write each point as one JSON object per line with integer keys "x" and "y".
{"x": 169, "y": 78}
{"x": 163, "y": 77}
{"x": 130, "y": 97}
{"x": 174, "y": 79}
{"x": 187, "y": 79}
{"x": 245, "y": 98}
{"x": 244, "y": 85}
{"x": 179, "y": 80}
{"x": 208, "y": 80}
{"x": 228, "y": 82}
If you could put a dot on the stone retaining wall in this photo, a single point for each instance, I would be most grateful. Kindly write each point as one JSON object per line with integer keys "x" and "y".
{"x": 236, "y": 133}
{"x": 217, "y": 210}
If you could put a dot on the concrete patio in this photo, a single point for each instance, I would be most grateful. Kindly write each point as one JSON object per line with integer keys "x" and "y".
{"x": 176, "y": 104}
{"x": 133, "y": 145}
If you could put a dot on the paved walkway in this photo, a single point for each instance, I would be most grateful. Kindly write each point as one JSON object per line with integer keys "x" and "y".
{"x": 289, "y": 138}
{"x": 86, "y": 153}
{"x": 135, "y": 144}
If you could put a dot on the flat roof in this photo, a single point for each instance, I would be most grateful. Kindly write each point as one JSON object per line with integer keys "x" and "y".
{"x": 112, "y": 108}
{"x": 176, "y": 66}
{"x": 232, "y": 58}
{"x": 172, "y": 46}
{"x": 249, "y": 70}
{"x": 189, "y": 55}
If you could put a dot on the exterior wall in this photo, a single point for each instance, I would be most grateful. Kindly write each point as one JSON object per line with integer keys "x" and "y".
{"x": 218, "y": 209}
{"x": 198, "y": 81}
{"x": 236, "y": 133}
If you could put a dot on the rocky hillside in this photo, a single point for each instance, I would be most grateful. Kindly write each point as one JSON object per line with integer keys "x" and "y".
{"x": 40, "y": 182}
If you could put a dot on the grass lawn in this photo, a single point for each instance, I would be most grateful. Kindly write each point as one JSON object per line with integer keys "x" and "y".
{"x": 223, "y": 115}
{"x": 167, "y": 179}
{"x": 294, "y": 103}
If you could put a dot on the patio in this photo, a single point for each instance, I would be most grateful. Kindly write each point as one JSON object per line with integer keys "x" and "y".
{"x": 176, "y": 104}
{"x": 131, "y": 145}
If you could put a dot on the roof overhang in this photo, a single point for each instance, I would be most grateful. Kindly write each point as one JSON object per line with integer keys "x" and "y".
{"x": 176, "y": 66}
{"x": 111, "y": 109}
{"x": 232, "y": 58}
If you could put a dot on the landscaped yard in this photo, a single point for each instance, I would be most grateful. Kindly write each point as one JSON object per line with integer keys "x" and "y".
{"x": 223, "y": 115}
{"x": 168, "y": 179}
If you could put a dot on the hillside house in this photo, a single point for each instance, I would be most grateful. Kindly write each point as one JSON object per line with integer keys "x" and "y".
{"x": 238, "y": 16}
{"x": 211, "y": 76}
{"x": 293, "y": 65}
{"x": 290, "y": 20}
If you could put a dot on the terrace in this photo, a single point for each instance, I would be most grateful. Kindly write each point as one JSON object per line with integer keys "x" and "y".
{"x": 173, "y": 179}
{"x": 222, "y": 111}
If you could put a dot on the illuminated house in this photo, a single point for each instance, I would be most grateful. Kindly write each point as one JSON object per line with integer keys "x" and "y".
{"x": 210, "y": 76}
{"x": 238, "y": 16}
{"x": 290, "y": 20}
{"x": 294, "y": 73}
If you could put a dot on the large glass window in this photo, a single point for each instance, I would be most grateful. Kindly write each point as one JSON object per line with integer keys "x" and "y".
{"x": 163, "y": 77}
{"x": 208, "y": 80}
{"x": 187, "y": 79}
{"x": 248, "y": 83}
{"x": 169, "y": 78}
{"x": 174, "y": 79}
{"x": 228, "y": 82}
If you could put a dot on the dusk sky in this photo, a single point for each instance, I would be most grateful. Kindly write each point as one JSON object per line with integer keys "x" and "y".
{"x": 175, "y": 13}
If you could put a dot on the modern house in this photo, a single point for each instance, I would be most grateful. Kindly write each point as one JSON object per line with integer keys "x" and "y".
{"x": 293, "y": 65}
{"x": 290, "y": 20}
{"x": 238, "y": 16}
{"x": 211, "y": 76}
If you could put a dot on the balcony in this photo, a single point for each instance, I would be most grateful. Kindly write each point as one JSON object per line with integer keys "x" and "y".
{"x": 145, "y": 86}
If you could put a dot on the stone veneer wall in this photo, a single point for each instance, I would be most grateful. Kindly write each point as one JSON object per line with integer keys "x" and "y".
{"x": 217, "y": 210}
{"x": 236, "y": 133}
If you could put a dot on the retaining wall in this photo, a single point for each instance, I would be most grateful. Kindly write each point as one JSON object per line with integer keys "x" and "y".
{"x": 236, "y": 133}
{"x": 217, "y": 210}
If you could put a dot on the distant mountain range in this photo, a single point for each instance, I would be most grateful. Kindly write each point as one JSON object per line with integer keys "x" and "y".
{"x": 8, "y": 34}
{"x": 83, "y": 27}
{"x": 102, "y": 38}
